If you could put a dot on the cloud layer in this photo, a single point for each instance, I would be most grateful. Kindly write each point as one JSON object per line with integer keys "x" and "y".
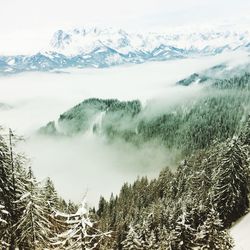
{"x": 89, "y": 162}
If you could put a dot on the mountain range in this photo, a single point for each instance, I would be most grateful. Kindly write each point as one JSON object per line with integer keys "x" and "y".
{"x": 99, "y": 48}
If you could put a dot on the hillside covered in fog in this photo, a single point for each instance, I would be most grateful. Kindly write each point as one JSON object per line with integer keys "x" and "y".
{"x": 192, "y": 205}
{"x": 124, "y": 125}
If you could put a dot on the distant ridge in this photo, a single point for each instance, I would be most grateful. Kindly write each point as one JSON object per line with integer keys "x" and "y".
{"x": 99, "y": 48}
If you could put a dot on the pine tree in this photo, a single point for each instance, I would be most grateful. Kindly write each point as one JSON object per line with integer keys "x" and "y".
{"x": 211, "y": 236}
{"x": 165, "y": 183}
{"x": 8, "y": 194}
{"x": 141, "y": 237}
{"x": 52, "y": 205}
{"x": 230, "y": 187}
{"x": 182, "y": 178}
{"x": 51, "y": 196}
{"x": 33, "y": 225}
{"x": 244, "y": 136}
{"x": 182, "y": 234}
{"x": 132, "y": 240}
{"x": 147, "y": 234}
{"x": 81, "y": 232}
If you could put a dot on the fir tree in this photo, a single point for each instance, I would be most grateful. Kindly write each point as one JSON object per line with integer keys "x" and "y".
{"x": 8, "y": 193}
{"x": 230, "y": 187}
{"x": 34, "y": 226}
{"x": 51, "y": 196}
{"x": 183, "y": 234}
{"x": 132, "y": 240}
{"x": 211, "y": 236}
{"x": 81, "y": 232}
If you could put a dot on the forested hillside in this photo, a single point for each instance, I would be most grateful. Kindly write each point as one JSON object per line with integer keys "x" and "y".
{"x": 190, "y": 208}
{"x": 124, "y": 125}
{"x": 187, "y": 126}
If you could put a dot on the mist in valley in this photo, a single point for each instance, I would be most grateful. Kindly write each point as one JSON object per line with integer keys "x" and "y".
{"x": 86, "y": 163}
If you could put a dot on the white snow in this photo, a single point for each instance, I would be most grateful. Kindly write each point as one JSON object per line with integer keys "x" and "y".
{"x": 240, "y": 233}
{"x": 84, "y": 40}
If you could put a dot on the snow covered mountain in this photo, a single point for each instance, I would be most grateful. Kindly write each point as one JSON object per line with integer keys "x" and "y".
{"x": 93, "y": 47}
{"x": 85, "y": 41}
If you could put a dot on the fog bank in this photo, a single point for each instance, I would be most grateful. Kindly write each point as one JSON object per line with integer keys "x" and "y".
{"x": 87, "y": 163}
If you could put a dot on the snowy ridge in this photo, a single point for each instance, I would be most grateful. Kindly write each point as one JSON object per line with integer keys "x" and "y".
{"x": 84, "y": 40}
{"x": 94, "y": 47}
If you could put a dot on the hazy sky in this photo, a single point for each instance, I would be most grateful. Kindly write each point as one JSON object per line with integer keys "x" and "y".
{"x": 43, "y": 14}
{"x": 28, "y": 22}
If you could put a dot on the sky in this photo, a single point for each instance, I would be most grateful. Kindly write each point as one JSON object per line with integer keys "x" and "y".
{"x": 25, "y": 23}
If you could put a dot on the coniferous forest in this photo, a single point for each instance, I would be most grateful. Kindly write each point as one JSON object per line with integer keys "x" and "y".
{"x": 190, "y": 206}
{"x": 124, "y": 125}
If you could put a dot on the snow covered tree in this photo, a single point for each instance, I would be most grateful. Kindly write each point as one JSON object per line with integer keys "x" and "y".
{"x": 132, "y": 240}
{"x": 147, "y": 234}
{"x": 33, "y": 225}
{"x": 140, "y": 237}
{"x": 52, "y": 204}
{"x": 230, "y": 187}
{"x": 211, "y": 236}
{"x": 81, "y": 232}
{"x": 50, "y": 196}
{"x": 8, "y": 193}
{"x": 181, "y": 183}
{"x": 182, "y": 235}
{"x": 165, "y": 184}
{"x": 244, "y": 136}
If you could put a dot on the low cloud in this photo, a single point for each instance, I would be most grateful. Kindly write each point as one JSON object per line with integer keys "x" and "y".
{"x": 87, "y": 162}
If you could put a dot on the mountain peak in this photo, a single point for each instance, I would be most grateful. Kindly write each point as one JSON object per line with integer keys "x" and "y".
{"x": 97, "y": 47}
{"x": 86, "y": 39}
